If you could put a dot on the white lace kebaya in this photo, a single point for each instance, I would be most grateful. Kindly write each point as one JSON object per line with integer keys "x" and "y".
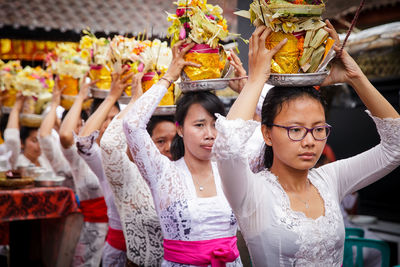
{"x": 90, "y": 246}
{"x": 90, "y": 151}
{"x": 183, "y": 216}
{"x": 132, "y": 198}
{"x": 275, "y": 234}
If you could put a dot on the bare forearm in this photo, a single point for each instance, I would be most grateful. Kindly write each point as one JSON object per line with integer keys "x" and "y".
{"x": 98, "y": 117}
{"x": 246, "y": 103}
{"x": 70, "y": 122}
{"x": 372, "y": 99}
{"x": 48, "y": 122}
{"x": 13, "y": 119}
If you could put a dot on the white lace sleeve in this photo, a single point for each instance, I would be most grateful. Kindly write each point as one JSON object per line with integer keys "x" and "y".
{"x": 50, "y": 146}
{"x": 255, "y": 150}
{"x": 13, "y": 143}
{"x": 132, "y": 198}
{"x": 147, "y": 157}
{"x": 352, "y": 174}
{"x": 113, "y": 147}
{"x": 86, "y": 183}
{"x": 232, "y": 157}
{"x": 89, "y": 150}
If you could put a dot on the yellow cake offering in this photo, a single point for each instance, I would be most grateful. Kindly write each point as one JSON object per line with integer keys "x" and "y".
{"x": 71, "y": 66}
{"x": 95, "y": 51}
{"x": 203, "y": 24}
{"x": 8, "y": 73}
{"x": 155, "y": 60}
{"x": 300, "y": 22}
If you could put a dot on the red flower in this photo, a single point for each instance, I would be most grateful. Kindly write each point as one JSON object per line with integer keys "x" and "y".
{"x": 180, "y": 12}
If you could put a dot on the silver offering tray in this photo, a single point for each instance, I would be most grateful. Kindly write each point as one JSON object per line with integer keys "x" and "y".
{"x": 165, "y": 110}
{"x": 98, "y": 93}
{"x": 204, "y": 85}
{"x": 6, "y": 110}
{"x": 298, "y": 79}
{"x": 30, "y": 120}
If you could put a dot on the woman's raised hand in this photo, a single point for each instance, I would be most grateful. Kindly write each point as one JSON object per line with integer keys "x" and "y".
{"x": 84, "y": 86}
{"x": 178, "y": 61}
{"x": 119, "y": 82}
{"x": 240, "y": 72}
{"x": 344, "y": 69}
{"x": 56, "y": 97}
{"x": 137, "y": 90}
{"x": 259, "y": 56}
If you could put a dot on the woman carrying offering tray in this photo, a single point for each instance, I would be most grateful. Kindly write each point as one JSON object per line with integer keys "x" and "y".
{"x": 289, "y": 213}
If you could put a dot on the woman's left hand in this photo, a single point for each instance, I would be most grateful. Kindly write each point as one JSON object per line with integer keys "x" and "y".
{"x": 344, "y": 69}
{"x": 237, "y": 85}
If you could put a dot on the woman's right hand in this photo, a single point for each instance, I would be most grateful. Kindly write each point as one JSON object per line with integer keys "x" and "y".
{"x": 178, "y": 61}
{"x": 19, "y": 102}
{"x": 137, "y": 90}
{"x": 84, "y": 87}
{"x": 259, "y": 56}
{"x": 119, "y": 82}
{"x": 56, "y": 98}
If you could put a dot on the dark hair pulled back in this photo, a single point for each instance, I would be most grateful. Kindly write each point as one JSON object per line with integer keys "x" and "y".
{"x": 154, "y": 120}
{"x": 25, "y": 131}
{"x": 207, "y": 100}
{"x": 273, "y": 103}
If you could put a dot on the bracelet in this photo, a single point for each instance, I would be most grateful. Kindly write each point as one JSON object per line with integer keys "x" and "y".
{"x": 169, "y": 81}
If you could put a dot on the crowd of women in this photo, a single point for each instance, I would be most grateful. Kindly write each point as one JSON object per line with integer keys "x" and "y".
{"x": 163, "y": 191}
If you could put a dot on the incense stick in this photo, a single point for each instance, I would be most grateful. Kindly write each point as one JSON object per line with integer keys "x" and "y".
{"x": 262, "y": 13}
{"x": 353, "y": 23}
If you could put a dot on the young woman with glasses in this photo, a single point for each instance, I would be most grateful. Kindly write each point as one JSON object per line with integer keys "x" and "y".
{"x": 289, "y": 213}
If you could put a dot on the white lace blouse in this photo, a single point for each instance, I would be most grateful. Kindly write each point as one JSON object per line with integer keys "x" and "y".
{"x": 133, "y": 199}
{"x": 183, "y": 215}
{"x": 51, "y": 148}
{"x": 87, "y": 185}
{"x": 275, "y": 234}
{"x": 90, "y": 151}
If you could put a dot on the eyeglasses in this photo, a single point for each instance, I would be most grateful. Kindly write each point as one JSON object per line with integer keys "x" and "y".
{"x": 297, "y": 133}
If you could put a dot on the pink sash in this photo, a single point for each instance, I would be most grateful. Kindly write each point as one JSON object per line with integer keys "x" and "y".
{"x": 216, "y": 252}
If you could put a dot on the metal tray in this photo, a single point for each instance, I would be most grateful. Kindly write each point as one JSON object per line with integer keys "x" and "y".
{"x": 295, "y": 80}
{"x": 30, "y": 120}
{"x": 98, "y": 93}
{"x": 57, "y": 181}
{"x": 204, "y": 85}
{"x": 6, "y": 110}
{"x": 165, "y": 110}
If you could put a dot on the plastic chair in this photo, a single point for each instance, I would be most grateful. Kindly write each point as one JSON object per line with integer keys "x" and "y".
{"x": 361, "y": 243}
{"x": 354, "y": 232}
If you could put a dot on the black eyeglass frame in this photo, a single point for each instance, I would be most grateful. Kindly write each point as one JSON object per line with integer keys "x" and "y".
{"x": 288, "y": 128}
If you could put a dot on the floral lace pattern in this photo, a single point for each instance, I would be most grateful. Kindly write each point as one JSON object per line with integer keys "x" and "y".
{"x": 87, "y": 185}
{"x": 183, "y": 216}
{"x": 89, "y": 250}
{"x": 318, "y": 239}
{"x": 90, "y": 151}
{"x": 278, "y": 235}
{"x": 132, "y": 198}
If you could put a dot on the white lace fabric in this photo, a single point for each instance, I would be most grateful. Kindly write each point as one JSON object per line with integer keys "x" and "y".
{"x": 90, "y": 151}
{"x": 275, "y": 234}
{"x": 133, "y": 199}
{"x": 90, "y": 246}
{"x": 51, "y": 148}
{"x": 87, "y": 185}
{"x": 183, "y": 216}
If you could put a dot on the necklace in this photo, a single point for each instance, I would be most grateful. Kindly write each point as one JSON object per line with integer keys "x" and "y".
{"x": 201, "y": 188}
{"x": 305, "y": 202}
